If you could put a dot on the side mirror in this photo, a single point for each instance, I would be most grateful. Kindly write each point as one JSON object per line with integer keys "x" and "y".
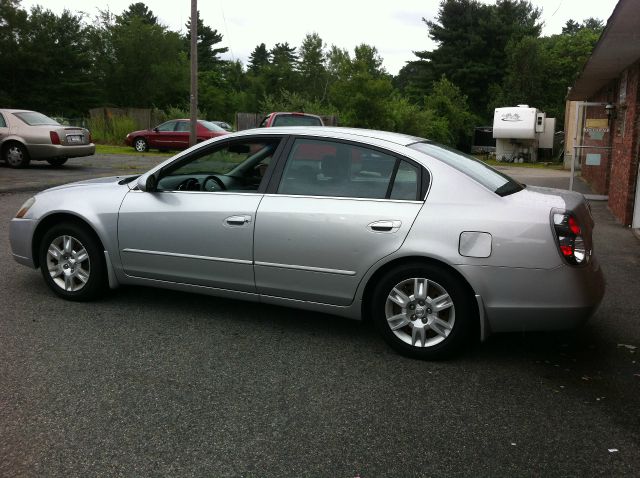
{"x": 147, "y": 183}
{"x": 155, "y": 129}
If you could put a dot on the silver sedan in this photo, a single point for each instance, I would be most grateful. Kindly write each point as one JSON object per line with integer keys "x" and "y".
{"x": 435, "y": 247}
{"x": 29, "y": 135}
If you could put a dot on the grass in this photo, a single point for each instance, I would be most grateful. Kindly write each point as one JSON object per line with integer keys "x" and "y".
{"x": 539, "y": 165}
{"x": 110, "y": 130}
{"x": 129, "y": 151}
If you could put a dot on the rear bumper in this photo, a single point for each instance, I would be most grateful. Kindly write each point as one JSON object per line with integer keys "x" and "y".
{"x": 51, "y": 151}
{"x": 537, "y": 299}
{"x": 20, "y": 237}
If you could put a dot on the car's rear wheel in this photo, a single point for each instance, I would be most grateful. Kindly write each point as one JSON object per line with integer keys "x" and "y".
{"x": 424, "y": 312}
{"x": 16, "y": 155}
{"x": 57, "y": 162}
{"x": 141, "y": 145}
{"x": 72, "y": 263}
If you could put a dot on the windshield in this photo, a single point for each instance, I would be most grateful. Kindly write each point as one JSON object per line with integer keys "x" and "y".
{"x": 211, "y": 127}
{"x": 35, "y": 119}
{"x": 492, "y": 179}
{"x": 296, "y": 120}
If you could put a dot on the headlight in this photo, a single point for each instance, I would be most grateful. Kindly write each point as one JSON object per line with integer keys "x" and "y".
{"x": 25, "y": 207}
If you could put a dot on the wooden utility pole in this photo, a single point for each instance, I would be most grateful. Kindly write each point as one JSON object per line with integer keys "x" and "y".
{"x": 194, "y": 73}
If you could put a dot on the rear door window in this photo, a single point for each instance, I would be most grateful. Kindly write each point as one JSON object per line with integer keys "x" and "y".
{"x": 490, "y": 178}
{"x": 3, "y": 123}
{"x": 182, "y": 126}
{"x": 336, "y": 169}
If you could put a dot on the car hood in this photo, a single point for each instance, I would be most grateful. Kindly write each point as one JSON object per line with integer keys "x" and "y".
{"x": 140, "y": 132}
{"x": 92, "y": 183}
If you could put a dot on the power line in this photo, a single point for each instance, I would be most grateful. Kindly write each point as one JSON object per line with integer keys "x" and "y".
{"x": 226, "y": 29}
{"x": 556, "y": 10}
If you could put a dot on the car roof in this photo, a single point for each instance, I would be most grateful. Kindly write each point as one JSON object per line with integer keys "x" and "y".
{"x": 295, "y": 113}
{"x": 336, "y": 132}
{"x": 10, "y": 110}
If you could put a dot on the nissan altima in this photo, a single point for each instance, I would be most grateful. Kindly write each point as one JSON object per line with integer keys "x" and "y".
{"x": 438, "y": 249}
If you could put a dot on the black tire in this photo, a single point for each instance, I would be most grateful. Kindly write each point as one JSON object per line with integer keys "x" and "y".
{"x": 461, "y": 329}
{"x": 140, "y": 145}
{"x": 16, "y": 155}
{"x": 96, "y": 278}
{"x": 57, "y": 162}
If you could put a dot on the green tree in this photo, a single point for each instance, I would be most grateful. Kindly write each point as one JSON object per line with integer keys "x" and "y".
{"x": 208, "y": 38}
{"x": 472, "y": 38}
{"x": 142, "y": 75}
{"x": 13, "y": 29}
{"x": 139, "y": 11}
{"x": 539, "y": 70}
{"x": 360, "y": 87}
{"x": 447, "y": 101}
{"x": 368, "y": 60}
{"x": 313, "y": 72}
{"x": 259, "y": 59}
{"x": 408, "y": 118}
{"x": 42, "y": 48}
{"x": 282, "y": 72}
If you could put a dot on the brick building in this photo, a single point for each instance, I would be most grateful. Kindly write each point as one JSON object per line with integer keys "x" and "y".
{"x": 608, "y": 125}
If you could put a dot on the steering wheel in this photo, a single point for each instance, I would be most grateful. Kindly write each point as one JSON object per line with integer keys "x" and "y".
{"x": 189, "y": 184}
{"x": 216, "y": 180}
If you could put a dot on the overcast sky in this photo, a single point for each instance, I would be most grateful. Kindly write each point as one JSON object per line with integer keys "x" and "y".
{"x": 394, "y": 27}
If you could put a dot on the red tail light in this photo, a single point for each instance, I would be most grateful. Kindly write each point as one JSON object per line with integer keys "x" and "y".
{"x": 55, "y": 139}
{"x": 573, "y": 226}
{"x": 569, "y": 236}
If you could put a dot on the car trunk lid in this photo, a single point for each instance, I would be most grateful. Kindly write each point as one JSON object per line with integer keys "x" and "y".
{"x": 73, "y": 136}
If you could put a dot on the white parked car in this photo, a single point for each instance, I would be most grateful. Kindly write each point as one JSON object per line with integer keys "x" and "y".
{"x": 435, "y": 247}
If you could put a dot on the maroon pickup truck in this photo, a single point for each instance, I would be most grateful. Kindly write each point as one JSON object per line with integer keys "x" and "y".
{"x": 290, "y": 119}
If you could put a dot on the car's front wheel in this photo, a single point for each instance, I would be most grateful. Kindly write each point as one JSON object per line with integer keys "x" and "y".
{"x": 141, "y": 145}
{"x": 424, "y": 312}
{"x": 71, "y": 262}
{"x": 16, "y": 155}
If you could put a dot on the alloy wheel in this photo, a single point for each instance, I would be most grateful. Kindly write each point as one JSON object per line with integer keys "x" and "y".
{"x": 420, "y": 312}
{"x": 68, "y": 263}
{"x": 140, "y": 145}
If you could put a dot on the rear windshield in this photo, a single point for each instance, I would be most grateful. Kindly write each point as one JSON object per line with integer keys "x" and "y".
{"x": 34, "y": 119}
{"x": 211, "y": 126}
{"x": 490, "y": 178}
{"x": 296, "y": 120}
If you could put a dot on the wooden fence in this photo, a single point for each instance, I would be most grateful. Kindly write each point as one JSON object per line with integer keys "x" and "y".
{"x": 144, "y": 118}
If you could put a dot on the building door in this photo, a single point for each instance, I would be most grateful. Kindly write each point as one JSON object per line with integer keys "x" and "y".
{"x": 592, "y": 145}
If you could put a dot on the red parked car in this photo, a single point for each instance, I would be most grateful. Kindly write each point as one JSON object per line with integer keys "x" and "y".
{"x": 290, "y": 119}
{"x": 173, "y": 134}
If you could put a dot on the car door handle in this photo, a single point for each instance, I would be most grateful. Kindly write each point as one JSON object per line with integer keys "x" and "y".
{"x": 237, "y": 220}
{"x": 384, "y": 226}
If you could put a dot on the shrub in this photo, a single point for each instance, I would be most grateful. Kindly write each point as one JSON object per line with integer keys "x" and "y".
{"x": 111, "y": 130}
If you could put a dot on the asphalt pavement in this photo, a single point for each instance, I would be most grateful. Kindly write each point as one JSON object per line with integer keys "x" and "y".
{"x": 161, "y": 383}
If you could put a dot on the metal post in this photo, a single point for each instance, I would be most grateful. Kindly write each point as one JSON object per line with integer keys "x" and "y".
{"x": 194, "y": 73}
{"x": 575, "y": 146}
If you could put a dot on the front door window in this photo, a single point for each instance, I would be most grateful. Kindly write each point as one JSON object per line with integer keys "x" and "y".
{"x": 238, "y": 166}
